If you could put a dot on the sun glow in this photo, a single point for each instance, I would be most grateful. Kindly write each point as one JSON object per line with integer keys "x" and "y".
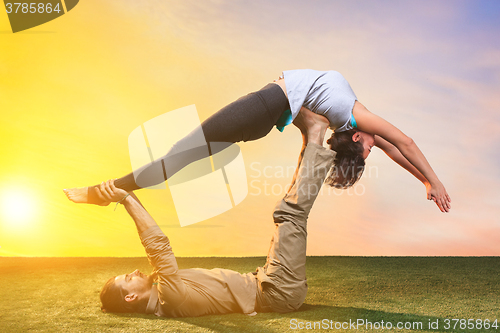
{"x": 18, "y": 207}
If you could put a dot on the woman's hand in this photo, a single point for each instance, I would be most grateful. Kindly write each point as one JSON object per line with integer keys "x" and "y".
{"x": 438, "y": 194}
{"x": 107, "y": 192}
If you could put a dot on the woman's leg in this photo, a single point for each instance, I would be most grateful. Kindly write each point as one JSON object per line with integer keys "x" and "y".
{"x": 249, "y": 118}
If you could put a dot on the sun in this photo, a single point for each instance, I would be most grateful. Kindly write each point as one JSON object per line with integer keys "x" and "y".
{"x": 18, "y": 207}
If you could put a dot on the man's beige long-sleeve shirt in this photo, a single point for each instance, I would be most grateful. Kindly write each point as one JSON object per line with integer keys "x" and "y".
{"x": 194, "y": 292}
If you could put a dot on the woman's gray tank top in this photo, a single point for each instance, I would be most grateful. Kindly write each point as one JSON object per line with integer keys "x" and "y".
{"x": 324, "y": 92}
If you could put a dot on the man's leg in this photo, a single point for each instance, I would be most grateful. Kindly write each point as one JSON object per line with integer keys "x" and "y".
{"x": 283, "y": 278}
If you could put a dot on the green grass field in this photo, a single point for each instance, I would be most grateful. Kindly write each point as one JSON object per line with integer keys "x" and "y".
{"x": 62, "y": 294}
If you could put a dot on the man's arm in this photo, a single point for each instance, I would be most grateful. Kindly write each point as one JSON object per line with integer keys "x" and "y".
{"x": 109, "y": 193}
{"x": 143, "y": 221}
{"x": 155, "y": 242}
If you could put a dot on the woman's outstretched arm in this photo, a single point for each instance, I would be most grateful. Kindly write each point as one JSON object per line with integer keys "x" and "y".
{"x": 418, "y": 164}
{"x": 394, "y": 153}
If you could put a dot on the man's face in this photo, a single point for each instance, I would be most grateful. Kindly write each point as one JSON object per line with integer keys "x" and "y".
{"x": 135, "y": 282}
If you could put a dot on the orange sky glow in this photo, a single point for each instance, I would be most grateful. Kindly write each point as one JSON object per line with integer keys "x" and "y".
{"x": 73, "y": 89}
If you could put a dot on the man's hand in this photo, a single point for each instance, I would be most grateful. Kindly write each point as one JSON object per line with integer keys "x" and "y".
{"x": 109, "y": 193}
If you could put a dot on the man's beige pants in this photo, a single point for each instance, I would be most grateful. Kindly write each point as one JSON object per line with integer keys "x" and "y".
{"x": 282, "y": 280}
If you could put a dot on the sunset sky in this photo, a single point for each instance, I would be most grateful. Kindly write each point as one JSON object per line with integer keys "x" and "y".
{"x": 73, "y": 89}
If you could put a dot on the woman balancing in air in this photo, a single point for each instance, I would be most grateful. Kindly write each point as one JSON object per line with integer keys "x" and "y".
{"x": 327, "y": 93}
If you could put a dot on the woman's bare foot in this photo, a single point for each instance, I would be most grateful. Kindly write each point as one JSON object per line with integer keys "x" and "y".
{"x": 81, "y": 195}
{"x": 312, "y": 125}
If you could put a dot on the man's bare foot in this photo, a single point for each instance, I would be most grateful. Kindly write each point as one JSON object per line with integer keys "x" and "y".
{"x": 81, "y": 195}
{"x": 312, "y": 125}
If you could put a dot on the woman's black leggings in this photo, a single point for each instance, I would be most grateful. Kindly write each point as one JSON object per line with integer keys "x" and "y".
{"x": 250, "y": 117}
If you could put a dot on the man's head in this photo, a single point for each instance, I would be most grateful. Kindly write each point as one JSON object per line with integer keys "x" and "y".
{"x": 127, "y": 292}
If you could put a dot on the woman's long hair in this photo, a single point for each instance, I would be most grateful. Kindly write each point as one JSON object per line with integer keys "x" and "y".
{"x": 349, "y": 162}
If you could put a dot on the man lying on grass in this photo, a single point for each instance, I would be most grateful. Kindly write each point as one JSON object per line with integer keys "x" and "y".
{"x": 278, "y": 286}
